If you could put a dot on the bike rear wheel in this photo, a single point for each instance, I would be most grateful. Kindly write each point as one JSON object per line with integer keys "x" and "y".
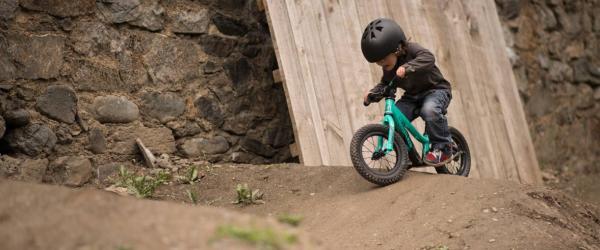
{"x": 373, "y": 165}
{"x": 461, "y": 164}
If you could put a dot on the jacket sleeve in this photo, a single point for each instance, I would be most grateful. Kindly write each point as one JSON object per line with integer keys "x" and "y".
{"x": 423, "y": 59}
{"x": 378, "y": 89}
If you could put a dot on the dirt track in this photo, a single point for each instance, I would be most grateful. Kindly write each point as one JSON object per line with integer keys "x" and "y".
{"x": 341, "y": 210}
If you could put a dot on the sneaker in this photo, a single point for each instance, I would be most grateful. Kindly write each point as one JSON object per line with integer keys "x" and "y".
{"x": 437, "y": 157}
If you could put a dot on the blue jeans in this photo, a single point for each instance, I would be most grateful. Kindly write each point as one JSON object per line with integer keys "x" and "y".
{"x": 431, "y": 106}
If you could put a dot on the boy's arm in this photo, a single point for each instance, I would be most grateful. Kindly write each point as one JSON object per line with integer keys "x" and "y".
{"x": 423, "y": 58}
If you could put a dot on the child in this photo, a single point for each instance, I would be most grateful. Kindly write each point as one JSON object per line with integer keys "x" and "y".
{"x": 427, "y": 93}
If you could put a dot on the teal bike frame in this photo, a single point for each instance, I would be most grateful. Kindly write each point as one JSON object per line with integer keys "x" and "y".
{"x": 397, "y": 122}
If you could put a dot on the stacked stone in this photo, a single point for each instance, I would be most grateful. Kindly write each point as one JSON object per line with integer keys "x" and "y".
{"x": 554, "y": 46}
{"x": 84, "y": 79}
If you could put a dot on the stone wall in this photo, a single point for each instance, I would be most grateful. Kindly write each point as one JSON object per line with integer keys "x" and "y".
{"x": 554, "y": 46}
{"x": 190, "y": 78}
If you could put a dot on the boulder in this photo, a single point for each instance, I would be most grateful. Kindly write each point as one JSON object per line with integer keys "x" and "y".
{"x": 199, "y": 146}
{"x": 32, "y": 139}
{"x": 61, "y": 8}
{"x": 255, "y": 146}
{"x": 164, "y": 107}
{"x": 209, "y": 109}
{"x": 33, "y": 170}
{"x": 8, "y": 8}
{"x": 229, "y": 26}
{"x": 17, "y": 118}
{"x": 97, "y": 141}
{"x": 158, "y": 140}
{"x": 171, "y": 60}
{"x": 184, "y": 129}
{"x": 114, "y": 109}
{"x": 71, "y": 171}
{"x": 59, "y": 102}
{"x": 38, "y": 55}
{"x": 147, "y": 14}
{"x": 91, "y": 38}
{"x": 218, "y": 46}
{"x": 190, "y": 19}
{"x": 2, "y": 127}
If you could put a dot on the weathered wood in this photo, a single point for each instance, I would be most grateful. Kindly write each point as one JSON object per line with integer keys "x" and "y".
{"x": 325, "y": 77}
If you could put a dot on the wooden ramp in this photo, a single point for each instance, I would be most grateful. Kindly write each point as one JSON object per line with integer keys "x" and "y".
{"x": 325, "y": 76}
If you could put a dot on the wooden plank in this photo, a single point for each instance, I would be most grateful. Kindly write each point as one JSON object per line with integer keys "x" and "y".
{"x": 325, "y": 77}
{"x": 296, "y": 94}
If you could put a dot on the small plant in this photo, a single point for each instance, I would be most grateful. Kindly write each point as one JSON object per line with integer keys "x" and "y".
{"x": 247, "y": 196}
{"x": 141, "y": 186}
{"x": 193, "y": 196}
{"x": 191, "y": 175}
{"x": 265, "y": 238}
{"x": 290, "y": 219}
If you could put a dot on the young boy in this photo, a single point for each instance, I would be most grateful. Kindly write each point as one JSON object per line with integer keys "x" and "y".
{"x": 427, "y": 93}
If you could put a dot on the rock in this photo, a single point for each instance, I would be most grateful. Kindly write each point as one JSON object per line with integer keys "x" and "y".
{"x": 97, "y": 141}
{"x": 105, "y": 172}
{"x": 8, "y": 8}
{"x": 218, "y": 46}
{"x": 251, "y": 51}
{"x": 158, "y": 140}
{"x": 38, "y": 56}
{"x": 539, "y": 104}
{"x": 242, "y": 157}
{"x": 114, "y": 109}
{"x": 2, "y": 127}
{"x": 570, "y": 23}
{"x": 509, "y": 9}
{"x": 559, "y": 72}
{"x": 100, "y": 75}
{"x": 73, "y": 171}
{"x": 211, "y": 67}
{"x": 164, "y": 107}
{"x": 151, "y": 16}
{"x": 61, "y": 8}
{"x": 231, "y": 4}
{"x": 190, "y": 19}
{"x": 199, "y": 146}
{"x": 238, "y": 71}
{"x": 210, "y": 110}
{"x": 584, "y": 97}
{"x": 32, "y": 139}
{"x": 63, "y": 135}
{"x": 59, "y": 102}
{"x": 240, "y": 123}
{"x": 170, "y": 61}
{"x": 597, "y": 94}
{"x": 547, "y": 17}
{"x": 189, "y": 128}
{"x": 32, "y": 170}
{"x": 92, "y": 38}
{"x": 9, "y": 166}
{"x": 580, "y": 70}
{"x": 142, "y": 13}
{"x": 229, "y": 26}
{"x": 255, "y": 146}
{"x": 280, "y": 135}
{"x": 132, "y": 70}
{"x": 17, "y": 118}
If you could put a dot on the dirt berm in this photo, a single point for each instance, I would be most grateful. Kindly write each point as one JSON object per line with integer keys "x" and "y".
{"x": 340, "y": 210}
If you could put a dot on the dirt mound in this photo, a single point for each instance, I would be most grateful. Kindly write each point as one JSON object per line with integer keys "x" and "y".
{"x": 423, "y": 210}
{"x": 36, "y": 216}
{"x": 340, "y": 210}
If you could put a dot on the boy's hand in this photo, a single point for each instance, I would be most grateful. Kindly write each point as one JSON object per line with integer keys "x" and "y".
{"x": 366, "y": 99}
{"x": 400, "y": 72}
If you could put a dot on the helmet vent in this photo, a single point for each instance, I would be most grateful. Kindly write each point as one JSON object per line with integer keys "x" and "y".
{"x": 372, "y": 35}
{"x": 378, "y": 28}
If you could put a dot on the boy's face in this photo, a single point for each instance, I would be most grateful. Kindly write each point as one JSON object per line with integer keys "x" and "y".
{"x": 388, "y": 62}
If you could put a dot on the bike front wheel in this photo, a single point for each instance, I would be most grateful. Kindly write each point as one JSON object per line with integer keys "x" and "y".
{"x": 461, "y": 164}
{"x": 371, "y": 162}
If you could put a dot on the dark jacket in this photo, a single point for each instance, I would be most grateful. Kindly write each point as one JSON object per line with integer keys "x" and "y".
{"x": 421, "y": 73}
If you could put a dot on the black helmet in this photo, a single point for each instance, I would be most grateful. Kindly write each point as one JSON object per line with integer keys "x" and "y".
{"x": 380, "y": 38}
